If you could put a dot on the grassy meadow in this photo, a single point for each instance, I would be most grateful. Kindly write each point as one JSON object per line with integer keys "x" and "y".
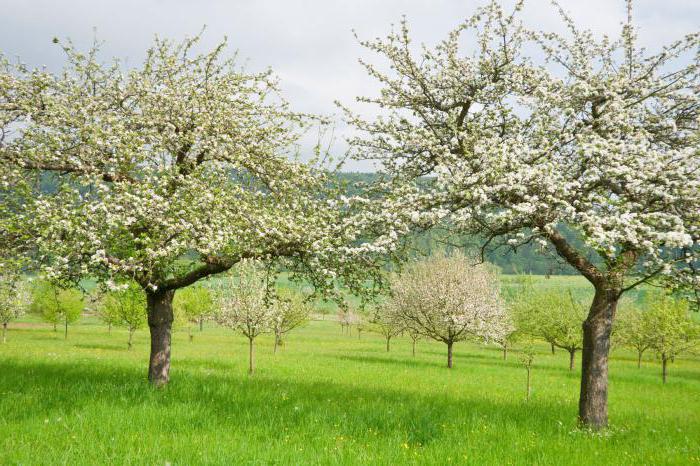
{"x": 327, "y": 398}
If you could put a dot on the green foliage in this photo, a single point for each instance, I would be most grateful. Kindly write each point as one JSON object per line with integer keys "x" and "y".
{"x": 125, "y": 307}
{"x": 555, "y": 317}
{"x": 193, "y": 305}
{"x": 671, "y": 330}
{"x": 55, "y": 304}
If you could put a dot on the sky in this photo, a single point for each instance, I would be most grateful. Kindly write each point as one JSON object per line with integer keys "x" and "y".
{"x": 309, "y": 44}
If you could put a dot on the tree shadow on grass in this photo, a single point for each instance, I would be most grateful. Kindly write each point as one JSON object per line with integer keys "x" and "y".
{"x": 236, "y": 402}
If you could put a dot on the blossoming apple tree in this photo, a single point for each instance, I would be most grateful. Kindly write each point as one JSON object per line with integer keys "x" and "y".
{"x": 447, "y": 299}
{"x": 168, "y": 173}
{"x": 600, "y": 140}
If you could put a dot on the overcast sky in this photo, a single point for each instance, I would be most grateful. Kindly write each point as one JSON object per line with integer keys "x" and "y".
{"x": 308, "y": 43}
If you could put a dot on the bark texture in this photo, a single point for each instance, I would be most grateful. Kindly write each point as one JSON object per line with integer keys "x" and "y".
{"x": 593, "y": 401}
{"x": 160, "y": 322}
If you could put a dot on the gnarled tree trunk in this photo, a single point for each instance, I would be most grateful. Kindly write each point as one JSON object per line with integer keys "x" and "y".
{"x": 593, "y": 401}
{"x": 160, "y": 321}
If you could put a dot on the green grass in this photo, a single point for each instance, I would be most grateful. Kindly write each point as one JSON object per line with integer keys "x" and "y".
{"x": 325, "y": 398}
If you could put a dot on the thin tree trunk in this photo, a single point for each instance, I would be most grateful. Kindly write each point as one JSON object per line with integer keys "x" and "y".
{"x": 414, "y": 348}
{"x": 639, "y": 359}
{"x": 201, "y": 324}
{"x": 527, "y": 396}
{"x": 65, "y": 334}
{"x": 109, "y": 328}
{"x": 55, "y": 327}
{"x": 251, "y": 366}
{"x": 552, "y": 345}
{"x": 191, "y": 335}
{"x": 131, "y": 337}
{"x": 593, "y": 401}
{"x": 160, "y": 322}
{"x": 4, "y": 332}
{"x": 572, "y": 358}
{"x": 505, "y": 351}
{"x": 449, "y": 355}
{"x": 664, "y": 368}
{"x": 277, "y": 342}
{"x": 388, "y": 344}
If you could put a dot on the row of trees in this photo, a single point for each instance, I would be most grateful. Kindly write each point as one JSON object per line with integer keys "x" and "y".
{"x": 448, "y": 299}
{"x": 180, "y": 168}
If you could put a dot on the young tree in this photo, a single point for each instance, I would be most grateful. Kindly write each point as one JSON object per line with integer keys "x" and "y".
{"x": 633, "y": 329}
{"x": 672, "y": 331}
{"x": 449, "y": 300}
{"x": 387, "y": 323}
{"x": 556, "y": 317}
{"x": 167, "y": 173}
{"x": 13, "y": 300}
{"x": 347, "y": 318}
{"x": 126, "y": 306}
{"x": 414, "y": 336}
{"x": 291, "y": 310}
{"x": 244, "y": 305}
{"x": 193, "y": 304}
{"x": 527, "y": 358}
{"x": 56, "y": 304}
{"x": 593, "y": 154}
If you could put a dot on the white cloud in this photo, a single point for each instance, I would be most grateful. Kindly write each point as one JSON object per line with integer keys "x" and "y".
{"x": 308, "y": 43}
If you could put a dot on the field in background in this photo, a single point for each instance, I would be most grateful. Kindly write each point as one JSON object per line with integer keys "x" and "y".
{"x": 325, "y": 398}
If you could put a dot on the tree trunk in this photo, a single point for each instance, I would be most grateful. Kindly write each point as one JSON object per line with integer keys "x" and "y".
{"x": 449, "y": 354}
{"x": 552, "y": 345}
{"x": 527, "y": 395}
{"x": 664, "y": 368}
{"x": 55, "y": 328}
{"x": 593, "y": 401}
{"x": 505, "y": 351}
{"x": 191, "y": 335}
{"x": 277, "y": 342}
{"x": 572, "y": 358}
{"x": 201, "y": 324}
{"x": 414, "y": 348}
{"x": 65, "y": 334}
{"x": 131, "y": 337}
{"x": 251, "y": 366}
{"x": 160, "y": 322}
{"x": 4, "y": 332}
{"x": 639, "y": 359}
{"x": 109, "y": 328}
{"x": 388, "y": 344}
